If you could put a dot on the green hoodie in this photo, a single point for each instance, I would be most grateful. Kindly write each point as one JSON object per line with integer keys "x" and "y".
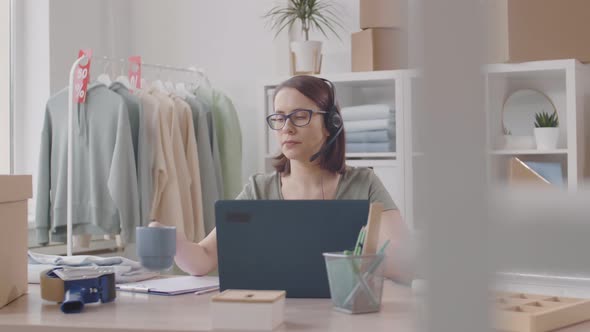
{"x": 105, "y": 197}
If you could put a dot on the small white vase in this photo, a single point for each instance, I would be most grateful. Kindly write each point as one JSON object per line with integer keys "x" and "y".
{"x": 546, "y": 138}
{"x": 307, "y": 56}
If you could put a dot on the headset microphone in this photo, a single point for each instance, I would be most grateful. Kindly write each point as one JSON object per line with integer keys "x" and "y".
{"x": 326, "y": 146}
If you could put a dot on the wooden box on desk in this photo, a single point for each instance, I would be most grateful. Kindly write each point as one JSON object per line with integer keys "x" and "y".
{"x": 248, "y": 309}
{"x": 14, "y": 192}
{"x": 521, "y": 312}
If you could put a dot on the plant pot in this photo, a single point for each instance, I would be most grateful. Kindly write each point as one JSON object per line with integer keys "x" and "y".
{"x": 306, "y": 56}
{"x": 546, "y": 138}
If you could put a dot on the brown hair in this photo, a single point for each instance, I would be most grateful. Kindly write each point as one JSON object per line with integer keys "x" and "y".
{"x": 316, "y": 89}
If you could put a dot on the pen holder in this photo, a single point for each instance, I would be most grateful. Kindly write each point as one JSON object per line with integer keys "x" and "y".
{"x": 356, "y": 282}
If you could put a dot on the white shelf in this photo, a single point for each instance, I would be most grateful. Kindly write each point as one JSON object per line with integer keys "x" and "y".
{"x": 567, "y": 84}
{"x": 529, "y": 151}
{"x": 533, "y": 66}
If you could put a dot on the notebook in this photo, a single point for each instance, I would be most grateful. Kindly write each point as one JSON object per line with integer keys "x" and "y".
{"x": 172, "y": 285}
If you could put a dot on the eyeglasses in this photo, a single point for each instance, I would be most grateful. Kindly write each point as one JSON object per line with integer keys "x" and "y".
{"x": 299, "y": 118}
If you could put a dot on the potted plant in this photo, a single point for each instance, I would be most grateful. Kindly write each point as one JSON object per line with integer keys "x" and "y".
{"x": 311, "y": 15}
{"x": 546, "y": 130}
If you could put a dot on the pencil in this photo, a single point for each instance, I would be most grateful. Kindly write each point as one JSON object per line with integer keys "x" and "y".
{"x": 205, "y": 291}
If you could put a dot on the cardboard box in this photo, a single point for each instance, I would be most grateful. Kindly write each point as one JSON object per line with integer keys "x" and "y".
{"x": 14, "y": 192}
{"x": 379, "y": 49}
{"x": 521, "y": 174}
{"x": 530, "y": 30}
{"x": 383, "y": 13}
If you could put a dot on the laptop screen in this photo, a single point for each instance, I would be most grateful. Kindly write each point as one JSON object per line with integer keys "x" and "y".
{"x": 278, "y": 244}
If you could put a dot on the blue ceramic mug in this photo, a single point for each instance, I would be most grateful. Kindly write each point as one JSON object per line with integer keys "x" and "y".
{"x": 156, "y": 247}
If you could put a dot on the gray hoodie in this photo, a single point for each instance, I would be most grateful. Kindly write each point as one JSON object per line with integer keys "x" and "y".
{"x": 143, "y": 156}
{"x": 209, "y": 185}
{"x": 105, "y": 197}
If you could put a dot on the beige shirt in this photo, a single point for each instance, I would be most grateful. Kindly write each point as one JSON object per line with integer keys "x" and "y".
{"x": 187, "y": 131}
{"x": 165, "y": 205}
{"x": 174, "y": 155}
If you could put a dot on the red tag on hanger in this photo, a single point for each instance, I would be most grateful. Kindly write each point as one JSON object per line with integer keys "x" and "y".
{"x": 82, "y": 76}
{"x": 135, "y": 71}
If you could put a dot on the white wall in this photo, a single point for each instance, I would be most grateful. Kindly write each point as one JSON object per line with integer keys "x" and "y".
{"x": 231, "y": 41}
{"x": 31, "y": 82}
{"x": 102, "y": 25}
{"x": 227, "y": 38}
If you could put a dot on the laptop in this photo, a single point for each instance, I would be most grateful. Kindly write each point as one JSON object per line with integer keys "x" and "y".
{"x": 278, "y": 244}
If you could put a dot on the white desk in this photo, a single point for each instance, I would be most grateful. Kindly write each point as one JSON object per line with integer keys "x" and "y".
{"x": 142, "y": 312}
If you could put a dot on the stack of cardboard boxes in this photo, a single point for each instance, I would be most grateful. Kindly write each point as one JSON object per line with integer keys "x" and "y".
{"x": 518, "y": 31}
{"x": 382, "y": 43}
{"x": 530, "y": 30}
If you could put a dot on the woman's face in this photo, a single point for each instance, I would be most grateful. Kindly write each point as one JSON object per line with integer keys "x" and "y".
{"x": 299, "y": 143}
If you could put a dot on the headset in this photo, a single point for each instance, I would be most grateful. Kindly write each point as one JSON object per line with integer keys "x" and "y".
{"x": 332, "y": 120}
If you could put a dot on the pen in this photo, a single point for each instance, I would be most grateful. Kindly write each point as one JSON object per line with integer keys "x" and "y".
{"x": 205, "y": 291}
{"x": 381, "y": 254}
{"x": 359, "y": 248}
{"x": 358, "y": 241}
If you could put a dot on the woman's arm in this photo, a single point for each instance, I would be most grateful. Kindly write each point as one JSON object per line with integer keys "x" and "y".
{"x": 195, "y": 258}
{"x": 399, "y": 261}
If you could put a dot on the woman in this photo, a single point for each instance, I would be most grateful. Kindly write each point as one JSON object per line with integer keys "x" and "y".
{"x": 311, "y": 165}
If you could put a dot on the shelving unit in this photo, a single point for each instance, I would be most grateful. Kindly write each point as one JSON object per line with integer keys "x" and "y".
{"x": 529, "y": 152}
{"x": 567, "y": 84}
{"x": 357, "y": 88}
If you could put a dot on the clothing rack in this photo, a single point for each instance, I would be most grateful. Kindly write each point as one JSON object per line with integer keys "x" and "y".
{"x": 70, "y": 184}
{"x": 156, "y": 65}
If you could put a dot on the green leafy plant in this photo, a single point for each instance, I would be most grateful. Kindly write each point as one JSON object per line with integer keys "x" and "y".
{"x": 544, "y": 120}
{"x": 312, "y": 14}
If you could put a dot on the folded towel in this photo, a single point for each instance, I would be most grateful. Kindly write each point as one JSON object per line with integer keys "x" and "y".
{"x": 126, "y": 270}
{"x": 366, "y": 112}
{"x": 370, "y": 147}
{"x": 373, "y": 136}
{"x": 367, "y": 125}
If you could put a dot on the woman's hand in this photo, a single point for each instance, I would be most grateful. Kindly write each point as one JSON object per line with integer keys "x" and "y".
{"x": 155, "y": 224}
{"x": 194, "y": 258}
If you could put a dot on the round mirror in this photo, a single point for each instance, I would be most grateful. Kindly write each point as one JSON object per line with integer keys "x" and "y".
{"x": 518, "y": 114}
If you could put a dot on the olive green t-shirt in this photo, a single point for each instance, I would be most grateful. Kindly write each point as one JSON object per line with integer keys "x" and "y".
{"x": 355, "y": 183}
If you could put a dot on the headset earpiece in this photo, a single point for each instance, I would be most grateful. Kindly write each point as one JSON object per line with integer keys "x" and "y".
{"x": 332, "y": 120}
